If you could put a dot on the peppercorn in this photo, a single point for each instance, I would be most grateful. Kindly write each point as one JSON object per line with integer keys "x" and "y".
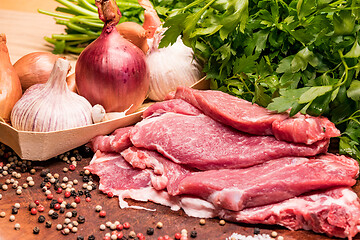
{"x": 36, "y": 230}
{"x": 73, "y": 193}
{"x": 33, "y": 211}
{"x": 81, "y": 219}
{"x": 77, "y": 199}
{"x": 158, "y": 225}
{"x": 41, "y": 219}
{"x": 177, "y": 236}
{"x": 74, "y": 213}
{"x": 193, "y": 234}
{"x": 62, "y": 210}
{"x": 80, "y": 238}
{"x": 55, "y": 215}
{"x": 68, "y": 205}
{"x": 44, "y": 172}
{"x": 256, "y": 231}
{"x": 14, "y": 210}
{"x": 32, "y": 205}
{"x": 91, "y": 237}
{"x": 126, "y": 225}
{"x": 150, "y": 231}
{"x": 41, "y": 208}
{"x": 48, "y": 224}
{"x": 57, "y": 206}
{"x": 102, "y": 213}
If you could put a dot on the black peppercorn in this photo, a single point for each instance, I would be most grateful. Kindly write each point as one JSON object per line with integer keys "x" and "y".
{"x": 91, "y": 237}
{"x": 80, "y": 238}
{"x": 44, "y": 172}
{"x": 85, "y": 179}
{"x": 74, "y": 213}
{"x": 94, "y": 186}
{"x": 73, "y": 193}
{"x": 42, "y": 184}
{"x": 62, "y": 210}
{"x": 82, "y": 173}
{"x": 48, "y": 224}
{"x": 52, "y": 205}
{"x": 81, "y": 219}
{"x": 256, "y": 231}
{"x": 193, "y": 234}
{"x": 150, "y": 231}
{"x": 68, "y": 205}
{"x": 14, "y": 210}
{"x": 55, "y": 215}
{"x": 81, "y": 192}
{"x": 36, "y": 230}
{"x": 78, "y": 157}
{"x": 41, "y": 219}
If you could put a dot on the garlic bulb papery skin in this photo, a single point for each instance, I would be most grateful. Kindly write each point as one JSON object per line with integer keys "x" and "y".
{"x": 170, "y": 67}
{"x": 51, "y": 106}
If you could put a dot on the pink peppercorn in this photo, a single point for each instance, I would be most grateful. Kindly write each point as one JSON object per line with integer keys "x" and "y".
{"x": 72, "y": 167}
{"x": 33, "y": 211}
{"x": 126, "y": 225}
{"x": 160, "y": 238}
{"x": 102, "y": 213}
{"x": 106, "y": 238}
{"x": 88, "y": 199}
{"x": 140, "y": 236}
{"x": 59, "y": 190}
{"x": 41, "y": 208}
{"x": 110, "y": 194}
{"x": 119, "y": 227}
{"x": 67, "y": 194}
{"x": 37, "y": 202}
{"x": 77, "y": 199}
{"x": 57, "y": 206}
{"x": 50, "y": 196}
{"x": 119, "y": 235}
{"x": 60, "y": 200}
{"x": 177, "y": 236}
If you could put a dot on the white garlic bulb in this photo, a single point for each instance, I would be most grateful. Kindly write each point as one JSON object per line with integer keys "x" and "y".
{"x": 51, "y": 106}
{"x": 170, "y": 67}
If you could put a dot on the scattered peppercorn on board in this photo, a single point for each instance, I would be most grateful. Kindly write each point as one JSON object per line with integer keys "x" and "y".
{"x": 35, "y": 212}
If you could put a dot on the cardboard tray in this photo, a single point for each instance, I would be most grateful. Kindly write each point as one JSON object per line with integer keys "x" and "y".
{"x": 40, "y": 146}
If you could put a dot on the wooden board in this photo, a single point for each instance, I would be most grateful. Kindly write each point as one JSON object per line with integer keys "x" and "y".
{"x": 140, "y": 220}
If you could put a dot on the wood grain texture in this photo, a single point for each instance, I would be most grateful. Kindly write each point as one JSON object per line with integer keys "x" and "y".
{"x": 139, "y": 220}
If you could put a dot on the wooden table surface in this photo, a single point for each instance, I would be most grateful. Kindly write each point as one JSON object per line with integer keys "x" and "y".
{"x": 25, "y": 29}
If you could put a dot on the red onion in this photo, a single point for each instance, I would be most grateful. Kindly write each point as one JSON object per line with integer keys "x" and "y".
{"x": 111, "y": 71}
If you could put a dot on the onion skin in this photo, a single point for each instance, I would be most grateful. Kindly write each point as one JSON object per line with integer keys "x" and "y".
{"x": 70, "y": 81}
{"x": 10, "y": 87}
{"x": 34, "y": 68}
{"x": 111, "y": 71}
{"x": 134, "y": 33}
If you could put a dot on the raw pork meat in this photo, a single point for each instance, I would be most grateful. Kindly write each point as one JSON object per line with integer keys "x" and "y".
{"x": 168, "y": 173}
{"x": 116, "y": 142}
{"x": 235, "y": 189}
{"x": 251, "y": 118}
{"x": 203, "y": 143}
{"x": 173, "y": 105}
{"x": 335, "y": 212}
{"x": 271, "y": 182}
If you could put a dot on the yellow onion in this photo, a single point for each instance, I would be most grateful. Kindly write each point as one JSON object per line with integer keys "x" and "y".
{"x": 10, "y": 87}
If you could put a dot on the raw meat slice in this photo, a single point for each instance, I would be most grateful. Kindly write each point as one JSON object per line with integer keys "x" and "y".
{"x": 173, "y": 105}
{"x": 110, "y": 166}
{"x": 136, "y": 184}
{"x": 304, "y": 129}
{"x": 116, "y": 142}
{"x": 335, "y": 212}
{"x": 168, "y": 173}
{"x": 271, "y": 182}
{"x": 254, "y": 119}
{"x": 203, "y": 143}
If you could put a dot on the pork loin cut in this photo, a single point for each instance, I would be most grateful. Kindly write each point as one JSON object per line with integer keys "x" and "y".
{"x": 271, "y": 182}
{"x": 254, "y": 119}
{"x": 115, "y": 142}
{"x": 203, "y": 143}
{"x": 334, "y": 212}
{"x": 235, "y": 189}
